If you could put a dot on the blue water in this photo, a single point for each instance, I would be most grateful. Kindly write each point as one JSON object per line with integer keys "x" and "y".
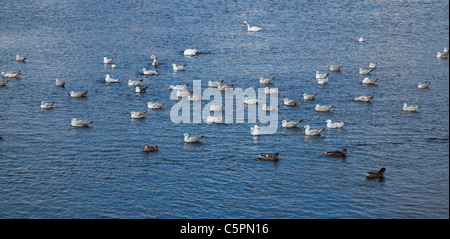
{"x": 50, "y": 170}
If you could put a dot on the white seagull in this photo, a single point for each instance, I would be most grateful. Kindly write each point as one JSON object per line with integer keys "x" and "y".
{"x": 155, "y": 63}
{"x": 140, "y": 89}
{"x": 373, "y": 65}
{"x": 364, "y": 72}
{"x": 194, "y": 98}
{"x": 269, "y": 108}
{"x": 59, "y": 83}
{"x": 178, "y": 87}
{"x": 271, "y": 91}
{"x": 323, "y": 81}
{"x": 134, "y": 82}
{"x": 3, "y": 83}
{"x": 335, "y": 67}
{"x": 80, "y": 123}
{"x": 252, "y": 29}
{"x": 216, "y": 108}
{"x": 107, "y": 60}
{"x": 214, "y": 84}
{"x": 47, "y": 105}
{"x": 190, "y": 52}
{"x": 176, "y": 67}
{"x": 424, "y": 85}
{"x": 250, "y": 101}
{"x": 10, "y": 74}
{"x": 361, "y": 39}
{"x": 214, "y": 119}
{"x": 323, "y": 108}
{"x": 309, "y": 96}
{"x": 312, "y": 132}
{"x": 138, "y": 114}
{"x": 321, "y": 75}
{"x": 337, "y": 125}
{"x": 263, "y": 80}
{"x": 183, "y": 93}
{"x": 148, "y": 72}
{"x": 188, "y": 139}
{"x": 255, "y": 130}
{"x": 290, "y": 124}
{"x": 221, "y": 87}
{"x": 154, "y": 105}
{"x": 369, "y": 81}
{"x": 108, "y": 79}
{"x": 287, "y": 101}
{"x": 410, "y": 108}
{"x": 79, "y": 94}
{"x": 363, "y": 98}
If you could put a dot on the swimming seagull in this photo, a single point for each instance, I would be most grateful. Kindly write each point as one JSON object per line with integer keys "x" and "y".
{"x": 255, "y": 130}
{"x": 424, "y": 85}
{"x": 183, "y": 93}
{"x": 363, "y": 98}
{"x": 80, "y": 123}
{"x": 148, "y": 72}
{"x": 108, "y": 79}
{"x": 364, "y": 72}
{"x": 154, "y": 63}
{"x": 80, "y": 94}
{"x": 252, "y": 29}
{"x": 290, "y": 124}
{"x": 335, "y": 68}
{"x": 271, "y": 91}
{"x": 188, "y": 139}
{"x": 309, "y": 96}
{"x": 216, "y": 108}
{"x": 10, "y": 74}
{"x": 287, "y": 101}
{"x": 214, "y": 119}
{"x": 47, "y": 105}
{"x": 312, "y": 132}
{"x": 176, "y": 67}
{"x": 134, "y": 83}
{"x": 153, "y": 57}
{"x": 140, "y": 89}
{"x": 323, "y": 108}
{"x": 323, "y": 81}
{"x": 266, "y": 80}
{"x": 250, "y": 101}
{"x": 138, "y": 114}
{"x": 113, "y": 65}
{"x": 369, "y": 81}
{"x": 154, "y": 105}
{"x": 443, "y": 54}
{"x": 373, "y": 65}
{"x": 361, "y": 39}
{"x": 107, "y": 60}
{"x": 269, "y": 108}
{"x": 190, "y": 52}
{"x": 337, "y": 125}
{"x": 194, "y": 98}
{"x": 178, "y": 87}
{"x": 60, "y": 83}
{"x": 321, "y": 75}
{"x": 221, "y": 87}
{"x": 410, "y": 108}
{"x": 3, "y": 83}
{"x": 20, "y": 58}
{"x": 214, "y": 84}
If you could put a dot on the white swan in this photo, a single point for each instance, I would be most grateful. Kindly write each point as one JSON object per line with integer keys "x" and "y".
{"x": 188, "y": 139}
{"x": 252, "y": 29}
{"x": 255, "y": 130}
{"x": 323, "y": 108}
{"x": 337, "y": 125}
{"x": 190, "y": 52}
{"x": 138, "y": 114}
{"x": 312, "y": 132}
{"x": 108, "y": 79}
{"x": 410, "y": 108}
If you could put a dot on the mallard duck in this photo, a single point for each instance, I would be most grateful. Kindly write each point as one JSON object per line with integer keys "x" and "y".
{"x": 274, "y": 157}
{"x": 376, "y": 175}
{"x": 148, "y": 148}
{"x": 342, "y": 153}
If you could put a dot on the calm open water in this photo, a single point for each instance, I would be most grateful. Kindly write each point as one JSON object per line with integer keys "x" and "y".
{"x": 50, "y": 170}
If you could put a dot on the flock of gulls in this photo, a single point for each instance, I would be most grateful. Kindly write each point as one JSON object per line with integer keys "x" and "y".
{"x": 321, "y": 78}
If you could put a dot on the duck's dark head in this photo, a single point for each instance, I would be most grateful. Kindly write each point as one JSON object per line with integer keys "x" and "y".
{"x": 382, "y": 170}
{"x": 344, "y": 151}
{"x": 277, "y": 154}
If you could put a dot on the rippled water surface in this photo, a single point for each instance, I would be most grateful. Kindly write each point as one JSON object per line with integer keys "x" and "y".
{"x": 50, "y": 170}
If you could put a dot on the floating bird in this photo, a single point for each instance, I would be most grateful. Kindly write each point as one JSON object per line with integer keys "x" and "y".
{"x": 335, "y": 68}
{"x": 309, "y": 97}
{"x": 255, "y": 130}
{"x": 107, "y": 60}
{"x": 178, "y": 87}
{"x": 138, "y": 114}
{"x": 148, "y": 72}
{"x": 271, "y": 91}
{"x": 188, "y": 139}
{"x": 153, "y": 57}
{"x": 252, "y": 29}
{"x": 134, "y": 82}
{"x": 363, "y": 98}
{"x": 266, "y": 157}
{"x": 10, "y": 74}
{"x": 1, "y": 137}
{"x": 214, "y": 84}
{"x": 337, "y": 125}
{"x": 59, "y": 83}
{"x": 443, "y": 55}
{"x": 183, "y": 93}
{"x": 269, "y": 108}
{"x": 155, "y": 63}
{"x": 323, "y": 81}
{"x": 80, "y": 123}
{"x": 290, "y": 124}
{"x": 214, "y": 119}
{"x": 221, "y": 87}
{"x": 361, "y": 39}
{"x": 321, "y": 75}
{"x": 250, "y": 101}
{"x": 342, "y": 153}
{"x": 113, "y": 65}
{"x": 47, "y": 105}
{"x": 108, "y": 79}
{"x": 369, "y": 81}
{"x": 3, "y": 83}
{"x": 176, "y": 67}
{"x": 216, "y": 108}
{"x": 411, "y": 108}
{"x": 154, "y": 105}
{"x": 140, "y": 89}
{"x": 289, "y": 102}
{"x": 263, "y": 80}
{"x": 20, "y": 58}
{"x": 380, "y": 174}
{"x": 373, "y": 65}
{"x": 364, "y": 72}
{"x": 323, "y": 108}
{"x": 148, "y": 148}
{"x": 312, "y": 132}
{"x": 194, "y": 98}
{"x": 190, "y": 52}
{"x": 80, "y": 94}
{"x": 424, "y": 85}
